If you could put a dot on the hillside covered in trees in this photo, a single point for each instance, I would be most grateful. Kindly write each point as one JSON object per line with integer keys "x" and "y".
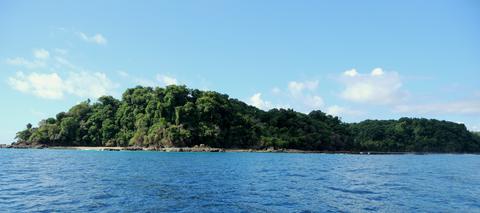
{"x": 176, "y": 116}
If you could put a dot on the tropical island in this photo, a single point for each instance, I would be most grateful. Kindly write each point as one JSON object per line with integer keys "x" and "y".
{"x": 176, "y": 116}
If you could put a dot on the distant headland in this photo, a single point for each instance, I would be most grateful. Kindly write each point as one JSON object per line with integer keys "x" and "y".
{"x": 168, "y": 118}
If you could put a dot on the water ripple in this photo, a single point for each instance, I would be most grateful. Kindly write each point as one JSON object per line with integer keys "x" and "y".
{"x": 83, "y": 181}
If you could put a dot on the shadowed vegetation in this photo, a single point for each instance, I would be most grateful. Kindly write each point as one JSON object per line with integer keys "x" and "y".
{"x": 176, "y": 116}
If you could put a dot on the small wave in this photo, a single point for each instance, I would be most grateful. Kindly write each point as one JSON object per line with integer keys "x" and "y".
{"x": 352, "y": 191}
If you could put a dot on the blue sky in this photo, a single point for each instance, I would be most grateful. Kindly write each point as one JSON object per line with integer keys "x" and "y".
{"x": 354, "y": 59}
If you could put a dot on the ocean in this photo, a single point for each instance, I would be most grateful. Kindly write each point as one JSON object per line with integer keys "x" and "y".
{"x": 128, "y": 181}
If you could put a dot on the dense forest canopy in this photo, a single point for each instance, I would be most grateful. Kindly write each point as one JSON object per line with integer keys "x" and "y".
{"x": 176, "y": 116}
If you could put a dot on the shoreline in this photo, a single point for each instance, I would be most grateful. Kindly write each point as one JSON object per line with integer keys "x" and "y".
{"x": 210, "y": 149}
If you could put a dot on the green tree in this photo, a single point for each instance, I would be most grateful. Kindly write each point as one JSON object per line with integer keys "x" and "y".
{"x": 178, "y": 116}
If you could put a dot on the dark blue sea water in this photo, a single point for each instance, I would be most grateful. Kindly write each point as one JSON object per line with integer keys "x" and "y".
{"x": 80, "y": 181}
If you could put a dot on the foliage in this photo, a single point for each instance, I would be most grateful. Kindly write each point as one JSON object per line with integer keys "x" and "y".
{"x": 413, "y": 135}
{"x": 178, "y": 116}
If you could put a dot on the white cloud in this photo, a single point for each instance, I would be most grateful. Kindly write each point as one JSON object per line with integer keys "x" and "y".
{"x": 351, "y": 73}
{"x": 49, "y": 86}
{"x": 97, "y": 38}
{"x": 463, "y": 107}
{"x": 256, "y": 100}
{"x": 41, "y": 54}
{"x": 167, "y": 80}
{"x": 377, "y": 88}
{"x": 298, "y": 94}
{"x": 52, "y": 86}
{"x": 377, "y": 72}
{"x": 336, "y": 110}
{"x": 313, "y": 101}
{"x": 303, "y": 95}
{"x": 19, "y": 83}
{"x": 297, "y": 87}
{"x": 85, "y": 84}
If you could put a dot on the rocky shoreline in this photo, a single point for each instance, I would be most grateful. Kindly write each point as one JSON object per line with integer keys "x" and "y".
{"x": 203, "y": 148}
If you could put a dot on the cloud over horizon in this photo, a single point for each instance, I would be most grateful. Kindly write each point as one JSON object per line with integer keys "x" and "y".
{"x": 46, "y": 82}
{"x": 378, "y": 87}
{"x": 50, "y": 75}
{"x": 337, "y": 110}
{"x": 53, "y": 86}
{"x": 257, "y": 101}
